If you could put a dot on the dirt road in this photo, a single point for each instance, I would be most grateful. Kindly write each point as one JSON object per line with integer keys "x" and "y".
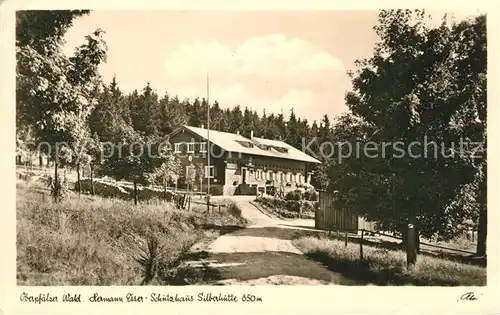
{"x": 261, "y": 254}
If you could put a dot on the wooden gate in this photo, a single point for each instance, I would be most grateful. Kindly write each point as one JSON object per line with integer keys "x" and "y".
{"x": 329, "y": 218}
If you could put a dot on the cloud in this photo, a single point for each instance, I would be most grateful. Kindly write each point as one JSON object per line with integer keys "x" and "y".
{"x": 265, "y": 55}
{"x": 271, "y": 72}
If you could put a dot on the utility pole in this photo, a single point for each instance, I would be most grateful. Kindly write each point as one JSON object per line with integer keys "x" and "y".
{"x": 208, "y": 145}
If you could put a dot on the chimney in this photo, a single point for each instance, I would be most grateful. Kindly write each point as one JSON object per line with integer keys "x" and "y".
{"x": 202, "y": 126}
{"x": 238, "y": 132}
{"x": 251, "y": 134}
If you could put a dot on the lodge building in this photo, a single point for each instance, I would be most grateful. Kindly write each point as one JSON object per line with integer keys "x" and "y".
{"x": 240, "y": 165}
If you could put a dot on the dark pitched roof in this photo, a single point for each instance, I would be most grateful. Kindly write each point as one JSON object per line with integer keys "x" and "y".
{"x": 256, "y": 146}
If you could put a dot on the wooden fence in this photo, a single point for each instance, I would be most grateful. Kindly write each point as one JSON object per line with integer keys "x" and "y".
{"x": 330, "y": 218}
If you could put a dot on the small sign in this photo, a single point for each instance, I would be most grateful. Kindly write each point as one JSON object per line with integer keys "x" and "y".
{"x": 190, "y": 172}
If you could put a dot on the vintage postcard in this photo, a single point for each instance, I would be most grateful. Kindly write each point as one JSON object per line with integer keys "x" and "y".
{"x": 222, "y": 157}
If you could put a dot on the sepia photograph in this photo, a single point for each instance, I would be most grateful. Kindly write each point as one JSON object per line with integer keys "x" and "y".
{"x": 257, "y": 148}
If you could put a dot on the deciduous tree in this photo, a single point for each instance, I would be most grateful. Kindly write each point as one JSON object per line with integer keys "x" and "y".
{"x": 422, "y": 85}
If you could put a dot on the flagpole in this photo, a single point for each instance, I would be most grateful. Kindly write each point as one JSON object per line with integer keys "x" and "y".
{"x": 208, "y": 144}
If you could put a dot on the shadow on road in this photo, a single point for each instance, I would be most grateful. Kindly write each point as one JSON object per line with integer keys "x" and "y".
{"x": 255, "y": 265}
{"x": 222, "y": 229}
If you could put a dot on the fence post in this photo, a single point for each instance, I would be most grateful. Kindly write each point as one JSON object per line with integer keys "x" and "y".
{"x": 411, "y": 250}
{"x": 346, "y": 239}
{"x": 361, "y": 245}
{"x": 184, "y": 201}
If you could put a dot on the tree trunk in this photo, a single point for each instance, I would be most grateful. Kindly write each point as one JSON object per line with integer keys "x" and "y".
{"x": 404, "y": 236}
{"x": 417, "y": 239}
{"x": 482, "y": 228}
{"x": 411, "y": 246}
{"x": 55, "y": 172}
{"x": 201, "y": 187}
{"x": 165, "y": 189}
{"x": 55, "y": 183}
{"x": 40, "y": 159}
{"x": 92, "y": 191}
{"x": 135, "y": 193}
{"x": 78, "y": 179}
{"x": 482, "y": 233}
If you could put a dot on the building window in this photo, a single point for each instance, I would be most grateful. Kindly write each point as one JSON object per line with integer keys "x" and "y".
{"x": 259, "y": 175}
{"x": 270, "y": 175}
{"x": 290, "y": 177}
{"x": 297, "y": 178}
{"x": 190, "y": 147}
{"x": 203, "y": 147}
{"x": 177, "y": 148}
{"x": 210, "y": 173}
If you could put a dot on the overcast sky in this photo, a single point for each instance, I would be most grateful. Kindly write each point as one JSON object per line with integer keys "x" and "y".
{"x": 264, "y": 60}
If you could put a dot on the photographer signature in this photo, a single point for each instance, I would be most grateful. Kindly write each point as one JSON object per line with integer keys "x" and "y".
{"x": 469, "y": 296}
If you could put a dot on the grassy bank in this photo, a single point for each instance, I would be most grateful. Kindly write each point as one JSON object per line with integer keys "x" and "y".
{"x": 388, "y": 267}
{"x": 105, "y": 241}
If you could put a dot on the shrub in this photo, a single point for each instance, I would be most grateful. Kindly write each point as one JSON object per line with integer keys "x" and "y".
{"x": 289, "y": 208}
{"x": 27, "y": 175}
{"x": 103, "y": 189}
{"x": 46, "y": 179}
{"x": 308, "y": 206}
{"x": 294, "y": 195}
{"x": 124, "y": 192}
{"x": 293, "y": 205}
{"x": 311, "y": 195}
{"x": 216, "y": 190}
{"x": 234, "y": 210}
{"x": 148, "y": 193}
